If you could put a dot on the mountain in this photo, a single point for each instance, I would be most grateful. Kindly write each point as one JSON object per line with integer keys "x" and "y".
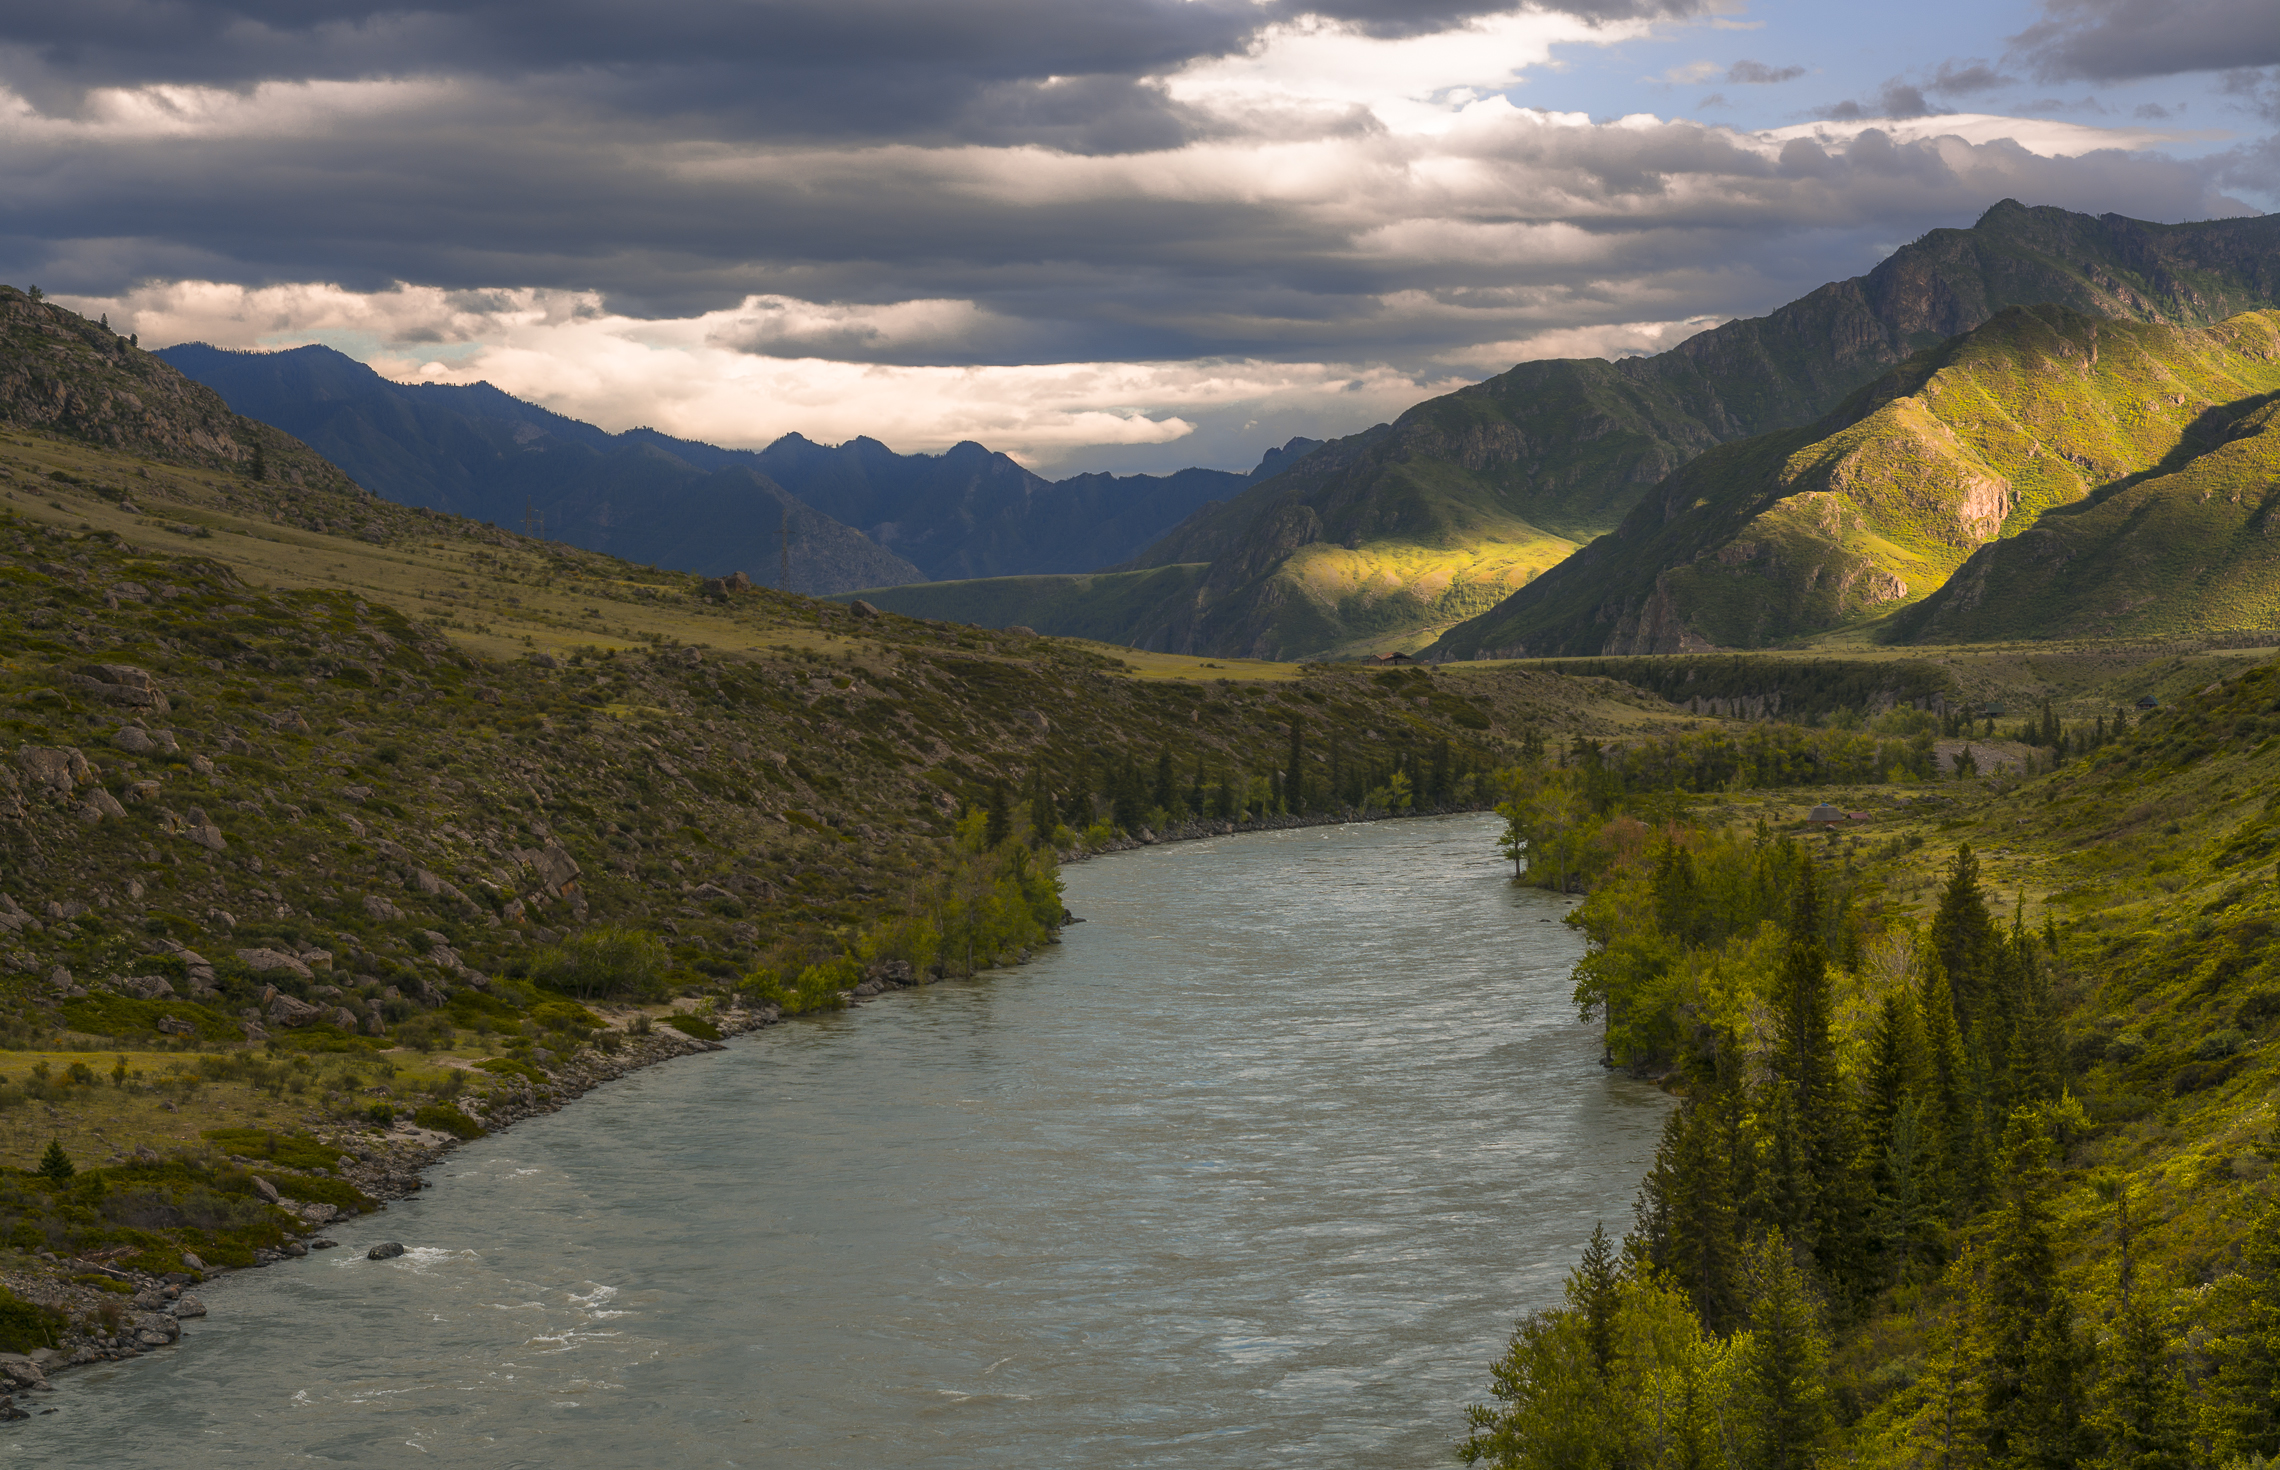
{"x": 1389, "y": 535}
{"x": 2126, "y": 462}
{"x": 967, "y": 512}
{"x": 480, "y": 453}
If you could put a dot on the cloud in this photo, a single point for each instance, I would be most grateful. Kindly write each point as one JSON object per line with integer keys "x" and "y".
{"x": 2121, "y": 40}
{"x": 1757, "y": 73}
{"x": 1967, "y": 79}
{"x": 964, "y": 228}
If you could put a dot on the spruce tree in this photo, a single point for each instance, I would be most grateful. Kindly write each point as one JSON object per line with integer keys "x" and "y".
{"x": 2030, "y": 1364}
{"x": 55, "y": 1164}
{"x": 1953, "y": 1135}
{"x": 1963, "y": 934}
{"x": 2141, "y": 1410}
{"x": 1593, "y": 1290}
{"x": 2245, "y": 1386}
{"x": 998, "y": 826}
{"x": 1805, "y": 1058}
{"x": 1164, "y": 794}
{"x": 1788, "y": 1361}
{"x": 1043, "y": 818}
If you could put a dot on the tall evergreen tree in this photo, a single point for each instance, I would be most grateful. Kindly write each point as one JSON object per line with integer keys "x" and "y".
{"x": 2244, "y": 1410}
{"x": 1592, "y": 1290}
{"x": 1043, "y": 816}
{"x": 2142, "y": 1412}
{"x": 1790, "y": 1412}
{"x": 2030, "y": 1364}
{"x": 1953, "y": 1135}
{"x": 1164, "y": 795}
{"x": 1964, "y": 935}
{"x": 55, "y": 1164}
{"x": 1805, "y": 1059}
{"x": 998, "y": 826}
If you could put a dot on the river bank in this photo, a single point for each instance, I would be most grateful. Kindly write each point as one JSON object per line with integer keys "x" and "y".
{"x": 149, "y": 1308}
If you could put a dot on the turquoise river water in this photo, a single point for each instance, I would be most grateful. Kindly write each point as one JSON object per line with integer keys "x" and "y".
{"x": 1254, "y": 1170}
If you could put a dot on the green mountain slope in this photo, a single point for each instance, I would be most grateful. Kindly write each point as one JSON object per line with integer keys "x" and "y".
{"x": 1876, "y": 506}
{"x": 1390, "y": 535}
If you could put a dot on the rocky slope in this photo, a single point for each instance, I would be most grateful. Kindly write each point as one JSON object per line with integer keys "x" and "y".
{"x": 1876, "y": 506}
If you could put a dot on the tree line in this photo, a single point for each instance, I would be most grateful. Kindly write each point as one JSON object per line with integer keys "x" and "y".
{"x": 1818, "y": 1176}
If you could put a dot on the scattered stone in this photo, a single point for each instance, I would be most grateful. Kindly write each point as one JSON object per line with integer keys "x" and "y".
{"x": 144, "y": 987}
{"x": 1020, "y": 631}
{"x": 193, "y": 1262}
{"x": 862, "y": 609}
{"x": 379, "y": 908}
{"x": 134, "y": 740}
{"x": 202, "y": 765}
{"x": 289, "y": 1011}
{"x": 62, "y": 770}
{"x": 9, "y": 1413}
{"x": 385, "y": 1251}
{"x": 269, "y": 961}
{"x": 190, "y": 1306}
{"x": 265, "y": 1189}
{"x": 20, "y": 1370}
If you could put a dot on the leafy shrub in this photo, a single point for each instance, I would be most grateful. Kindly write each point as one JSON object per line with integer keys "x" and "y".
{"x": 562, "y": 1015}
{"x": 816, "y": 988}
{"x": 509, "y": 1067}
{"x": 2218, "y": 1044}
{"x": 101, "y": 1014}
{"x": 444, "y": 1118}
{"x": 289, "y": 1150}
{"x": 25, "y": 1325}
{"x": 696, "y": 1026}
{"x": 383, "y": 1115}
{"x": 604, "y": 963}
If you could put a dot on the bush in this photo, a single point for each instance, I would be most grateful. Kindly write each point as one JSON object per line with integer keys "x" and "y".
{"x": 25, "y": 1325}
{"x": 696, "y": 1026}
{"x": 444, "y": 1118}
{"x": 288, "y": 1150}
{"x": 383, "y": 1115}
{"x": 604, "y": 963}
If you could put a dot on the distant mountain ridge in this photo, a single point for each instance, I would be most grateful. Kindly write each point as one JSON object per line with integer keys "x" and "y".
{"x": 861, "y": 514}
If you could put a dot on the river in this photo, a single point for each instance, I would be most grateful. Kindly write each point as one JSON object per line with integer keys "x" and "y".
{"x": 1254, "y": 1170}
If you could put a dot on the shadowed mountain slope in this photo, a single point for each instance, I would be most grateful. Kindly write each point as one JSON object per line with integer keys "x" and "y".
{"x": 479, "y": 452}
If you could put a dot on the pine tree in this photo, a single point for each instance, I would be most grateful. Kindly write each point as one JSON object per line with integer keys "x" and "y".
{"x": 1164, "y": 794}
{"x": 999, "y": 824}
{"x": 1895, "y": 1070}
{"x": 1788, "y": 1362}
{"x": 1043, "y": 818}
{"x": 1963, "y": 934}
{"x": 1805, "y": 1059}
{"x": 1592, "y": 1291}
{"x": 55, "y": 1164}
{"x": 1952, "y": 1133}
{"x": 2141, "y": 1410}
{"x": 2245, "y": 1386}
{"x": 2030, "y": 1365}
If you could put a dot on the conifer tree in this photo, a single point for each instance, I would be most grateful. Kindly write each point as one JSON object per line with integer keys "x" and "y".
{"x": 2030, "y": 1364}
{"x": 1163, "y": 794}
{"x": 1952, "y": 1132}
{"x": 999, "y": 823}
{"x": 1294, "y": 774}
{"x": 2141, "y": 1408}
{"x": 1963, "y": 934}
{"x": 2244, "y": 1411}
{"x": 1789, "y": 1358}
{"x": 1043, "y": 818}
{"x": 1592, "y": 1290}
{"x": 55, "y": 1164}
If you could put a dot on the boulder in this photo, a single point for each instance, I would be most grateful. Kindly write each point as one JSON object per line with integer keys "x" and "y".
{"x": 120, "y": 684}
{"x": 554, "y": 866}
{"x": 287, "y": 1011}
{"x": 134, "y": 740}
{"x": 270, "y": 961}
{"x": 56, "y": 770}
{"x": 1019, "y": 631}
{"x": 379, "y": 908}
{"x": 265, "y": 1189}
{"x": 143, "y": 987}
{"x": 189, "y": 1306}
{"x": 20, "y": 1370}
{"x": 169, "y": 1026}
{"x": 344, "y": 1018}
{"x": 207, "y": 836}
{"x": 202, "y": 765}
{"x": 100, "y": 804}
{"x": 385, "y": 1251}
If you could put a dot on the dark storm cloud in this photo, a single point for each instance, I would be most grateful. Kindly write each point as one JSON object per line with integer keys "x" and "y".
{"x": 2119, "y": 40}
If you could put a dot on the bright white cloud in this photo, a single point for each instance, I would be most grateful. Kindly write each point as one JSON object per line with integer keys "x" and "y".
{"x": 565, "y": 352}
{"x": 2040, "y": 136}
{"x": 1413, "y": 84}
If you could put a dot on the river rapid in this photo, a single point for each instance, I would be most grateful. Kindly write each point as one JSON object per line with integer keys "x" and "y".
{"x": 1255, "y": 1169}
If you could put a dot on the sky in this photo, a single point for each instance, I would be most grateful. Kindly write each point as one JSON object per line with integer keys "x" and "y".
{"x": 1123, "y": 235}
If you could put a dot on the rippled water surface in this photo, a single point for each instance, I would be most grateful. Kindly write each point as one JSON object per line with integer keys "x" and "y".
{"x": 1254, "y": 1170}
